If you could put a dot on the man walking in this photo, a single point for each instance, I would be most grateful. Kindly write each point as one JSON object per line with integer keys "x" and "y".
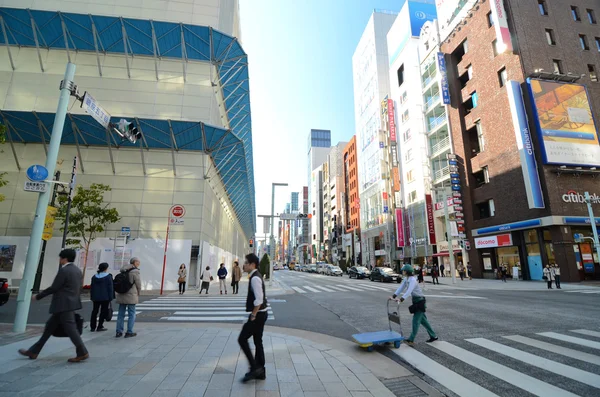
{"x": 557, "y": 276}
{"x": 442, "y": 268}
{"x": 65, "y": 291}
{"x": 222, "y": 274}
{"x": 256, "y": 303}
{"x": 128, "y": 285}
{"x": 418, "y": 307}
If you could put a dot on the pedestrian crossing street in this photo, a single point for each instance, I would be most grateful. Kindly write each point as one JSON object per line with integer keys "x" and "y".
{"x": 201, "y": 308}
{"x": 543, "y": 364}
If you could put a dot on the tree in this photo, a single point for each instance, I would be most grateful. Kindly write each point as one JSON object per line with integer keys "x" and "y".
{"x": 88, "y": 217}
{"x": 265, "y": 266}
{"x": 3, "y": 182}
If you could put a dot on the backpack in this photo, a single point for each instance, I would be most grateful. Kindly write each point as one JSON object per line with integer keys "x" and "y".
{"x": 121, "y": 283}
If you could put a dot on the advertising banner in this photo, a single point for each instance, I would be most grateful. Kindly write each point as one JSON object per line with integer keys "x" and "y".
{"x": 567, "y": 130}
{"x": 396, "y": 174}
{"x": 531, "y": 177}
{"x": 391, "y": 119}
{"x": 430, "y": 220}
{"x": 49, "y": 223}
{"x": 399, "y": 228}
{"x": 501, "y": 26}
{"x": 444, "y": 76}
{"x": 501, "y": 240}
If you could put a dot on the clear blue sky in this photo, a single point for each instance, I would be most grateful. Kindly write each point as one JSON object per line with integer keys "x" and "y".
{"x": 300, "y": 60}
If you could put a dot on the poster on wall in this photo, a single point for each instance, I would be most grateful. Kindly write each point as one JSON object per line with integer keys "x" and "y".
{"x": 487, "y": 263}
{"x": 7, "y": 257}
{"x": 93, "y": 258}
{"x": 121, "y": 257}
{"x": 567, "y": 130}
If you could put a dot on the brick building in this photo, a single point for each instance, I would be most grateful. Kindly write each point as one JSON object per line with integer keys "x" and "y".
{"x": 351, "y": 202}
{"x": 523, "y": 193}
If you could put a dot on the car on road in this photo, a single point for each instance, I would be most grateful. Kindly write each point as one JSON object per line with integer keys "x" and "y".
{"x": 385, "y": 274}
{"x": 312, "y": 268}
{"x": 359, "y": 272}
{"x": 4, "y": 291}
{"x": 276, "y": 267}
{"x": 321, "y": 266}
{"x": 333, "y": 270}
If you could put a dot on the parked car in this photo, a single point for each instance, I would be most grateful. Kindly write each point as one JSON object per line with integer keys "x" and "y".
{"x": 276, "y": 267}
{"x": 292, "y": 266}
{"x": 4, "y": 291}
{"x": 385, "y": 274}
{"x": 359, "y": 272}
{"x": 312, "y": 268}
{"x": 333, "y": 270}
{"x": 321, "y": 266}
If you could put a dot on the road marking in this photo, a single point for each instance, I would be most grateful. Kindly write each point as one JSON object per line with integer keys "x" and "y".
{"x": 310, "y": 289}
{"x": 229, "y": 313}
{"x": 454, "y": 296}
{"x": 570, "y": 339}
{"x": 300, "y": 290}
{"x": 206, "y": 309}
{"x": 585, "y": 377}
{"x": 201, "y": 319}
{"x": 586, "y": 332}
{"x": 348, "y": 287}
{"x": 563, "y": 351}
{"x": 584, "y": 291}
{"x": 449, "y": 379}
{"x": 323, "y": 288}
{"x": 509, "y": 375}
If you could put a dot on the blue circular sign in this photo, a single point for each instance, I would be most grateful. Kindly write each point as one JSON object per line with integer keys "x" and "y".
{"x": 37, "y": 173}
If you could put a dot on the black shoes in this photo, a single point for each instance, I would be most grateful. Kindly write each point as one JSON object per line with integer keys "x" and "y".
{"x": 118, "y": 335}
{"x": 100, "y": 329}
{"x": 130, "y": 334}
{"x": 259, "y": 374}
{"x": 432, "y": 339}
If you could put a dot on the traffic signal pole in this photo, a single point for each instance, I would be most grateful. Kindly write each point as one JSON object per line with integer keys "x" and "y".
{"x": 35, "y": 239}
{"x": 588, "y": 201}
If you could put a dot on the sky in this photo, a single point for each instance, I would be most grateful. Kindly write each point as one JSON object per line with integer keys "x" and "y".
{"x": 300, "y": 63}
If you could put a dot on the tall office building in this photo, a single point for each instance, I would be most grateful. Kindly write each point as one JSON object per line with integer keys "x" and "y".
{"x": 370, "y": 68}
{"x": 319, "y": 144}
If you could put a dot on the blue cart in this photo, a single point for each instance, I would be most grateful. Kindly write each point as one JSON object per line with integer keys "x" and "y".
{"x": 370, "y": 339}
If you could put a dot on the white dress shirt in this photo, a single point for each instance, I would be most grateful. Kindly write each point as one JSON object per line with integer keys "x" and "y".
{"x": 256, "y": 285}
{"x": 412, "y": 288}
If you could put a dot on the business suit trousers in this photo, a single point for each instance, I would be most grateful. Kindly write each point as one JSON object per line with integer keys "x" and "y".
{"x": 67, "y": 321}
{"x": 255, "y": 330}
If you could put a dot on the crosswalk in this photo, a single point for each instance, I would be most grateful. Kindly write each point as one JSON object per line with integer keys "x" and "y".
{"x": 199, "y": 308}
{"x": 319, "y": 288}
{"x": 583, "y": 291}
{"x": 542, "y": 364}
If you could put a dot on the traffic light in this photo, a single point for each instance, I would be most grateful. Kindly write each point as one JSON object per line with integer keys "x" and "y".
{"x": 304, "y": 216}
{"x": 251, "y": 243}
{"x": 127, "y": 130}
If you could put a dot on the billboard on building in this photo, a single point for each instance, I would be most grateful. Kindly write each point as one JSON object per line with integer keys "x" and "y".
{"x": 504, "y": 42}
{"x": 531, "y": 176}
{"x": 566, "y": 127}
{"x": 430, "y": 219}
{"x": 399, "y": 228}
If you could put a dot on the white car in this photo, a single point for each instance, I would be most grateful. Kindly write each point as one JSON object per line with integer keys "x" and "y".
{"x": 333, "y": 270}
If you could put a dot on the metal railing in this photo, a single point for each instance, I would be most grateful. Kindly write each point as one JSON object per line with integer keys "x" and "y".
{"x": 432, "y": 100}
{"x": 441, "y": 145}
{"x": 439, "y": 174}
{"x": 433, "y": 123}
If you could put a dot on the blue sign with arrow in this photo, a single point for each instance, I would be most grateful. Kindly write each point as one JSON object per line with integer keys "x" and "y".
{"x": 37, "y": 173}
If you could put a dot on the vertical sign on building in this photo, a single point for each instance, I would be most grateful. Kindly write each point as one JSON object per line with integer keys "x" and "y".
{"x": 533, "y": 186}
{"x": 391, "y": 120}
{"x": 399, "y": 228}
{"x": 444, "y": 75}
{"x": 504, "y": 42}
{"x": 430, "y": 220}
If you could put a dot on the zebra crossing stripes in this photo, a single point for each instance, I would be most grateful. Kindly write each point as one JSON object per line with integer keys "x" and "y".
{"x": 587, "y": 332}
{"x": 563, "y": 351}
{"x": 570, "y": 339}
{"x": 340, "y": 287}
{"x": 299, "y": 290}
{"x": 584, "y": 291}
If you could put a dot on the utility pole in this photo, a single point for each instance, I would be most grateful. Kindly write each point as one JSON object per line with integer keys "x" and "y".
{"x": 449, "y": 234}
{"x": 69, "y": 202}
{"x": 588, "y": 201}
{"x": 33, "y": 253}
{"x": 272, "y": 239}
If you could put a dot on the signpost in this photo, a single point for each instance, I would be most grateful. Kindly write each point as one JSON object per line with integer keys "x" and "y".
{"x": 176, "y": 214}
{"x": 97, "y": 112}
{"x": 126, "y": 231}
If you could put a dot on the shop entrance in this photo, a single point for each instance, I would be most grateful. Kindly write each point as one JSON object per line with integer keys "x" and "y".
{"x": 509, "y": 257}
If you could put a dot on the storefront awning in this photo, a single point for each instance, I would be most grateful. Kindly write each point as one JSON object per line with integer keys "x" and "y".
{"x": 445, "y": 253}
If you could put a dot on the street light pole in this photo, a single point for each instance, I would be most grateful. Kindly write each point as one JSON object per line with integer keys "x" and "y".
{"x": 272, "y": 239}
{"x": 449, "y": 234}
{"x": 588, "y": 201}
{"x": 35, "y": 240}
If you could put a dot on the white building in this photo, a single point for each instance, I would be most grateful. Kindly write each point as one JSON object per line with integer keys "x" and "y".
{"x": 192, "y": 107}
{"x": 316, "y": 222}
{"x": 406, "y": 92}
{"x": 370, "y": 68}
{"x": 333, "y": 187}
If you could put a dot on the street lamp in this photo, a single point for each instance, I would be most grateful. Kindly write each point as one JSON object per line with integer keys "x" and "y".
{"x": 272, "y": 239}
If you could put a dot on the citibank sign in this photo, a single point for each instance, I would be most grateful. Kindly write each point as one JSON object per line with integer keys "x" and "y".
{"x": 574, "y": 197}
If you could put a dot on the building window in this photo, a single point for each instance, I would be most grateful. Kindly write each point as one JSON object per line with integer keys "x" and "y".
{"x": 471, "y": 103}
{"x": 502, "y": 77}
{"x": 410, "y": 176}
{"x": 405, "y": 116}
{"x": 476, "y": 139}
{"x": 495, "y": 47}
{"x": 403, "y": 97}
{"x": 593, "y": 74}
{"x": 557, "y": 65}
{"x": 481, "y": 177}
{"x": 485, "y": 209}
{"x": 583, "y": 41}
{"x": 490, "y": 19}
{"x": 408, "y": 155}
{"x": 550, "y": 37}
{"x": 400, "y": 75}
{"x": 591, "y": 16}
{"x": 407, "y": 135}
{"x": 412, "y": 196}
{"x": 575, "y": 13}
{"x": 543, "y": 7}
{"x": 598, "y": 43}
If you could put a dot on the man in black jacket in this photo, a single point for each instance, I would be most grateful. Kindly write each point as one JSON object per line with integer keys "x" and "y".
{"x": 256, "y": 303}
{"x": 65, "y": 291}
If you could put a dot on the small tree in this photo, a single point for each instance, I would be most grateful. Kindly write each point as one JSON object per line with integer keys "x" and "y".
{"x": 265, "y": 266}
{"x": 89, "y": 216}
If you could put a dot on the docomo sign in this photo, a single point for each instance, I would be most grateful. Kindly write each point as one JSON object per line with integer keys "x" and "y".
{"x": 177, "y": 211}
{"x": 391, "y": 119}
{"x": 574, "y": 197}
{"x": 501, "y": 240}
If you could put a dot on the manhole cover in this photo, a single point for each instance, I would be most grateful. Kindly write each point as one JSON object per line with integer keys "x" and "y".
{"x": 403, "y": 388}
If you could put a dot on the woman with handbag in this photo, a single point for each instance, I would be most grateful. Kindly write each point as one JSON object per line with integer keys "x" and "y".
{"x": 548, "y": 276}
{"x": 182, "y": 273}
{"x": 236, "y": 277}
{"x": 101, "y": 293}
{"x": 206, "y": 279}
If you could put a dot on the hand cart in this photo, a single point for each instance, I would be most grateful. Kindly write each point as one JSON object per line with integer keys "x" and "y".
{"x": 369, "y": 339}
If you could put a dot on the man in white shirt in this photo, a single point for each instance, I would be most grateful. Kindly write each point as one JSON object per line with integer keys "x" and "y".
{"x": 256, "y": 303}
{"x": 411, "y": 285}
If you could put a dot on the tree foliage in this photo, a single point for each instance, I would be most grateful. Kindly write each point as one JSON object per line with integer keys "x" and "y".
{"x": 265, "y": 266}
{"x": 88, "y": 217}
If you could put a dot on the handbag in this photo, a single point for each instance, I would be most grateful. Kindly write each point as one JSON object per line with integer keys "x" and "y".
{"x": 211, "y": 278}
{"x": 59, "y": 331}
{"x": 181, "y": 280}
{"x": 109, "y": 312}
{"x": 545, "y": 277}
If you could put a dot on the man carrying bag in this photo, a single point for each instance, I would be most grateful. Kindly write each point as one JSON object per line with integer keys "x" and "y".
{"x": 65, "y": 291}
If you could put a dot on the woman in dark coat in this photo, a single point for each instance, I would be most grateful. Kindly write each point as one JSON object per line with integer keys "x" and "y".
{"x": 101, "y": 293}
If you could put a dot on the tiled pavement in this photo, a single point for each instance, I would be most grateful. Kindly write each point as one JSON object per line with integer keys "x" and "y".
{"x": 197, "y": 360}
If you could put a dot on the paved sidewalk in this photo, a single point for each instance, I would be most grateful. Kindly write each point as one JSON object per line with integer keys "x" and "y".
{"x": 509, "y": 285}
{"x": 201, "y": 360}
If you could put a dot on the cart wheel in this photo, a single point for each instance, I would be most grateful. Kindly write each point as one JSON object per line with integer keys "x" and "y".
{"x": 397, "y": 344}
{"x": 370, "y": 348}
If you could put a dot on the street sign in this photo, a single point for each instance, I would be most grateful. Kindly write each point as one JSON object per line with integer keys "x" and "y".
{"x": 37, "y": 173}
{"x": 37, "y": 187}
{"x": 177, "y": 221}
{"x": 578, "y": 237}
{"x": 288, "y": 217}
{"x": 126, "y": 231}
{"x": 177, "y": 211}
{"x": 92, "y": 107}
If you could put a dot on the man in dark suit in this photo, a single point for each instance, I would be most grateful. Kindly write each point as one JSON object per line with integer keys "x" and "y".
{"x": 65, "y": 291}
